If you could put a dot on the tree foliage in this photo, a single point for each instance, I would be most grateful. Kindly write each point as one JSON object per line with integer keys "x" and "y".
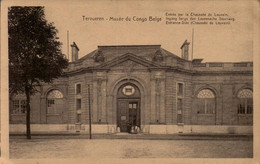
{"x": 34, "y": 51}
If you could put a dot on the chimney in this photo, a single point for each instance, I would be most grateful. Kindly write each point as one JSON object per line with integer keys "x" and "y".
{"x": 74, "y": 52}
{"x": 185, "y": 50}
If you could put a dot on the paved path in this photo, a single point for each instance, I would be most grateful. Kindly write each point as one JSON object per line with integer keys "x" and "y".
{"x": 129, "y": 148}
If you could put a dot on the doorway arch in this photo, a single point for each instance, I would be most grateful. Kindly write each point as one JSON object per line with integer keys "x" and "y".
{"x": 128, "y": 107}
{"x": 145, "y": 104}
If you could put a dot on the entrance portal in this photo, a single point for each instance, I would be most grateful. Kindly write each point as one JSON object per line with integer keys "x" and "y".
{"x": 128, "y": 107}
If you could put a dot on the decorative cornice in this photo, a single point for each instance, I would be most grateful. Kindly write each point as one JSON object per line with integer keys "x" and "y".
{"x": 151, "y": 66}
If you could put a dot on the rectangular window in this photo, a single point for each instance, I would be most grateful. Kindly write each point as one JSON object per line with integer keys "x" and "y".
{"x": 23, "y": 106}
{"x": 180, "y": 100}
{"x": 18, "y": 106}
{"x": 15, "y": 107}
{"x": 180, "y": 89}
{"x": 179, "y": 104}
{"x": 78, "y": 104}
{"x": 78, "y": 89}
{"x": 179, "y": 110}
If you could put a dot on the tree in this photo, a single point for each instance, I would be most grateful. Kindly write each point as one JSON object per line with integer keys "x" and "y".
{"x": 34, "y": 53}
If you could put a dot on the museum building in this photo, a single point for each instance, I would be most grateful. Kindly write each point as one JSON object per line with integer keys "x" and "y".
{"x": 144, "y": 87}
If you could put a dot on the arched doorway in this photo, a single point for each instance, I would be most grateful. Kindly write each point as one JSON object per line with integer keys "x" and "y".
{"x": 128, "y": 107}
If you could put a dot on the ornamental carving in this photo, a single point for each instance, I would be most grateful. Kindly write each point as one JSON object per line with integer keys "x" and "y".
{"x": 99, "y": 57}
{"x": 128, "y": 90}
{"x": 158, "y": 56}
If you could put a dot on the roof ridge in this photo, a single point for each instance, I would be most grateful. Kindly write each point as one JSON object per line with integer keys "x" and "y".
{"x": 144, "y": 45}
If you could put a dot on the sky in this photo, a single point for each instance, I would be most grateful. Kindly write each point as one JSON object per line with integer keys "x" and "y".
{"x": 213, "y": 43}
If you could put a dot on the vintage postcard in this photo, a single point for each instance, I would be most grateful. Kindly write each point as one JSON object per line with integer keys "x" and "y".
{"x": 129, "y": 81}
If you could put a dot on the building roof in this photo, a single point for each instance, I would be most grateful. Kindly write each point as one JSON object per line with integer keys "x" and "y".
{"x": 112, "y": 51}
{"x": 103, "y": 56}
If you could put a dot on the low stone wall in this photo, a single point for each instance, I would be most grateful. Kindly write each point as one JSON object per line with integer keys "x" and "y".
{"x": 56, "y": 128}
{"x": 150, "y": 129}
{"x": 206, "y": 129}
{"x": 21, "y": 128}
{"x": 99, "y": 129}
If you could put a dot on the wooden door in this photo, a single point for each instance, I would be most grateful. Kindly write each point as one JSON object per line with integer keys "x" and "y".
{"x": 123, "y": 115}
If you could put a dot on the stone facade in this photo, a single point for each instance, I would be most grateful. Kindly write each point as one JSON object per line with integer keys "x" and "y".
{"x": 169, "y": 87}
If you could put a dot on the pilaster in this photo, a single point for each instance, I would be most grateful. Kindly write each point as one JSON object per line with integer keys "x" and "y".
{"x": 157, "y": 97}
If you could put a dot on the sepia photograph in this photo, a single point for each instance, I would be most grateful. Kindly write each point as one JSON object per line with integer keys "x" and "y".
{"x": 130, "y": 80}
